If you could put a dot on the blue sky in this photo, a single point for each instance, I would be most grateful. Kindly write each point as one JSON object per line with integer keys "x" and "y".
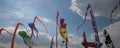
{"x": 24, "y": 11}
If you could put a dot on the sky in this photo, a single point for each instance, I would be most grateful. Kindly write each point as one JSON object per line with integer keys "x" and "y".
{"x": 24, "y": 11}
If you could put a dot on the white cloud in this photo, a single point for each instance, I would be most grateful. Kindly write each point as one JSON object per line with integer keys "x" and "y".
{"x": 12, "y": 13}
{"x": 100, "y": 7}
{"x": 18, "y": 14}
{"x": 24, "y": 2}
{"x": 73, "y": 39}
{"x": 47, "y": 20}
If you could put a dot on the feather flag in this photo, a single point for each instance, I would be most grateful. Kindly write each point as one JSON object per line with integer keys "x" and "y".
{"x": 108, "y": 40}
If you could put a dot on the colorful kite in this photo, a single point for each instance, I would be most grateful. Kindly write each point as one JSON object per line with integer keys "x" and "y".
{"x": 32, "y": 25}
{"x": 97, "y": 41}
{"x": 108, "y": 40}
{"x": 25, "y": 37}
{"x": 32, "y": 29}
{"x": 63, "y": 31}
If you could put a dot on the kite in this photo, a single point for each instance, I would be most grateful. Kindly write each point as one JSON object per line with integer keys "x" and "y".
{"x": 14, "y": 35}
{"x": 25, "y": 37}
{"x": 52, "y": 43}
{"x": 35, "y": 19}
{"x": 63, "y": 31}
{"x": 32, "y": 25}
{"x": 97, "y": 41}
{"x": 57, "y": 15}
{"x": 108, "y": 40}
{"x": 111, "y": 13}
